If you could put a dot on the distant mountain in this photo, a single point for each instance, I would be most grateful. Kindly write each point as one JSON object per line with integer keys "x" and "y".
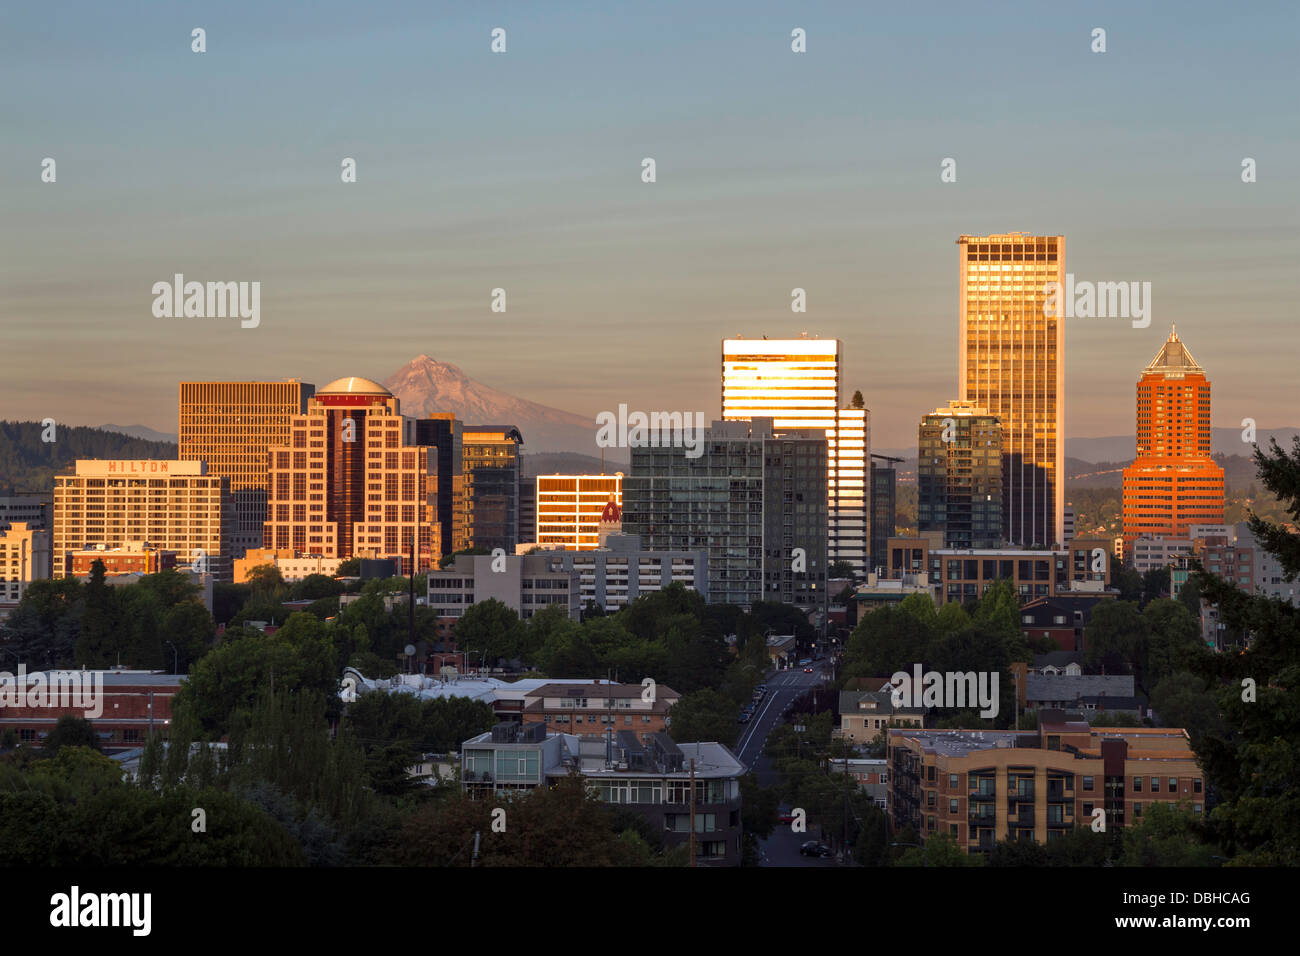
{"x": 141, "y": 431}
{"x": 1223, "y": 441}
{"x": 1122, "y": 448}
{"x": 426, "y": 385}
{"x": 567, "y": 463}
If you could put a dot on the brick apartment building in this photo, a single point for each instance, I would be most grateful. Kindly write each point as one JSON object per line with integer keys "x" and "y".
{"x": 984, "y": 786}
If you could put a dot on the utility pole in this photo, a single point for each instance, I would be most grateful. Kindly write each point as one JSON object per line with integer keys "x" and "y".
{"x": 692, "y": 811}
{"x": 411, "y": 602}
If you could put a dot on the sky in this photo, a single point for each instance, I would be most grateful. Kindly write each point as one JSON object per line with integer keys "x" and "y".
{"x": 523, "y": 171}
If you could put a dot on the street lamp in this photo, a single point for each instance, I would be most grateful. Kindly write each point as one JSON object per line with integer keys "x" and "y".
{"x": 176, "y": 667}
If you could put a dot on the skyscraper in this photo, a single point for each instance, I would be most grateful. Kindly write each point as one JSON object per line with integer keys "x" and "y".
{"x": 884, "y": 500}
{"x": 173, "y": 505}
{"x": 959, "y": 476}
{"x": 445, "y": 431}
{"x": 230, "y": 425}
{"x": 1173, "y": 483}
{"x": 1012, "y": 363}
{"x": 796, "y": 383}
{"x": 490, "y": 459}
{"x": 749, "y": 500}
{"x": 568, "y": 509}
{"x": 351, "y": 480}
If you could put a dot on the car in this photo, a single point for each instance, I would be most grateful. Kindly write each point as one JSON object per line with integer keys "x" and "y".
{"x": 807, "y": 670}
{"x": 785, "y": 815}
{"x": 814, "y": 848}
{"x": 743, "y": 718}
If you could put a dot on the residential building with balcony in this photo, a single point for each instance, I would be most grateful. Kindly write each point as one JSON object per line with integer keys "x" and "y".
{"x": 984, "y": 786}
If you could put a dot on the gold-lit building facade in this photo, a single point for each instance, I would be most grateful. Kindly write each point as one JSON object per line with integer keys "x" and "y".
{"x": 230, "y": 425}
{"x": 796, "y": 383}
{"x": 1011, "y": 361}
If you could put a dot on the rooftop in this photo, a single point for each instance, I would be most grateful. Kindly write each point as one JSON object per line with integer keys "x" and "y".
{"x": 352, "y": 385}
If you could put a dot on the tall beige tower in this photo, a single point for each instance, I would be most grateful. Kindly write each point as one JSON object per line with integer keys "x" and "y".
{"x": 230, "y": 425}
{"x": 1012, "y": 362}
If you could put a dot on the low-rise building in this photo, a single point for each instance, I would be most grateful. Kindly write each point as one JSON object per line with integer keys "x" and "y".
{"x": 292, "y": 565}
{"x": 871, "y": 774}
{"x": 591, "y": 709}
{"x": 133, "y": 557}
{"x": 983, "y": 786}
{"x": 666, "y": 782}
{"x": 964, "y": 575}
{"x": 24, "y": 558}
{"x": 866, "y": 714}
{"x": 1063, "y": 619}
{"x": 1071, "y": 692}
{"x": 124, "y": 707}
{"x": 524, "y": 583}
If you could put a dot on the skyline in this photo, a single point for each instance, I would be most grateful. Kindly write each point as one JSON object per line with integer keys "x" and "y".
{"x": 823, "y": 173}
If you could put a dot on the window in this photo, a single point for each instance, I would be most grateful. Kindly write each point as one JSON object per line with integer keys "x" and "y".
{"x": 1137, "y": 784}
{"x": 1173, "y": 784}
{"x": 1087, "y": 783}
{"x": 1155, "y": 784}
{"x": 1196, "y": 785}
{"x": 952, "y": 781}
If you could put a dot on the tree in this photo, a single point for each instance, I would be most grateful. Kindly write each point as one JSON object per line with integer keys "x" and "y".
{"x": 1127, "y": 581}
{"x": 840, "y": 569}
{"x": 70, "y": 731}
{"x": 97, "y": 645}
{"x": 351, "y": 568}
{"x": 1018, "y": 853}
{"x": 265, "y": 579}
{"x": 1167, "y": 836}
{"x": 314, "y": 587}
{"x": 1186, "y": 700}
{"x": 704, "y": 715}
{"x": 858, "y": 401}
{"x": 1252, "y": 766}
{"x": 449, "y": 559}
{"x": 491, "y": 630}
{"x": 940, "y": 849}
{"x": 298, "y": 656}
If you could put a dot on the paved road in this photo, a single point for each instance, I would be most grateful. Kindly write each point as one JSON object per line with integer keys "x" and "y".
{"x": 782, "y": 847}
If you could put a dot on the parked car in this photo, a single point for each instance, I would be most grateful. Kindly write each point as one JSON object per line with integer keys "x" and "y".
{"x": 785, "y": 815}
{"x": 743, "y": 718}
{"x": 814, "y": 848}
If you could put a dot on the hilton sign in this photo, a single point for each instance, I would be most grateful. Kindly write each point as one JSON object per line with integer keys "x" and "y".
{"x": 140, "y": 466}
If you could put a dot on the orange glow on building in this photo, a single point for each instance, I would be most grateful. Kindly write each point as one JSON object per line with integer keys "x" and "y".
{"x": 1173, "y": 483}
{"x": 351, "y": 482}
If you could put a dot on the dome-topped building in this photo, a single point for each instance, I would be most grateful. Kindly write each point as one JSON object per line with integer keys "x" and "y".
{"x": 354, "y": 385}
{"x": 353, "y": 480}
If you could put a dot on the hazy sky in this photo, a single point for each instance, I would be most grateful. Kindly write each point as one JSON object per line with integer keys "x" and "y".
{"x": 523, "y": 171}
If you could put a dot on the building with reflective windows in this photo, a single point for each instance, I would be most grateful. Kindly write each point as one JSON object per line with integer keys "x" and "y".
{"x": 959, "y": 476}
{"x": 352, "y": 482}
{"x": 230, "y": 425}
{"x": 1173, "y": 483}
{"x": 1012, "y": 363}
{"x": 796, "y": 383}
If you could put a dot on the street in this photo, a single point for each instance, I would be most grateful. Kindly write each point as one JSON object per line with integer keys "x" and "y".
{"x": 782, "y": 847}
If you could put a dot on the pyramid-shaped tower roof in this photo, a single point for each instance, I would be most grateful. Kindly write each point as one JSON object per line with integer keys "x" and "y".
{"x": 1174, "y": 357}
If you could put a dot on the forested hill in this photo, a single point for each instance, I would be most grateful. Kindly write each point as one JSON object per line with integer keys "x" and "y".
{"x": 29, "y": 464}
